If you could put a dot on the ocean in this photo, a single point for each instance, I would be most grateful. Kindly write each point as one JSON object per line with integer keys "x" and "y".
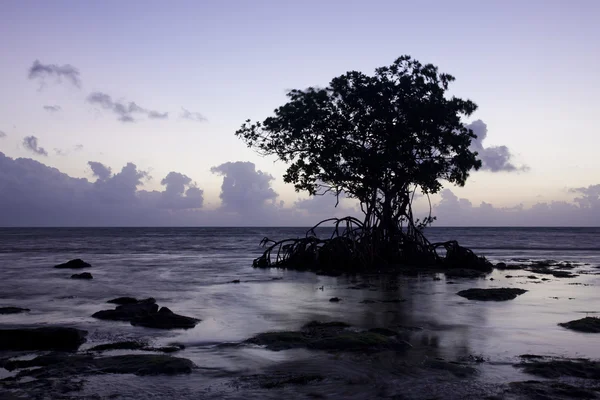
{"x": 190, "y": 270}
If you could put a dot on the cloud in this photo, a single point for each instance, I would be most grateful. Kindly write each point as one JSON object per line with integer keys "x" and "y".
{"x": 244, "y": 190}
{"x": 40, "y": 72}
{"x": 124, "y": 111}
{"x": 52, "y": 108}
{"x": 493, "y": 158}
{"x": 193, "y": 116}
{"x": 31, "y": 143}
{"x": 39, "y": 195}
{"x": 2, "y": 134}
{"x": 180, "y": 192}
{"x": 99, "y": 170}
{"x": 582, "y": 211}
{"x": 63, "y": 153}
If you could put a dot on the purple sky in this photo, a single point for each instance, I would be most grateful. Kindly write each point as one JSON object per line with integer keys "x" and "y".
{"x": 164, "y": 85}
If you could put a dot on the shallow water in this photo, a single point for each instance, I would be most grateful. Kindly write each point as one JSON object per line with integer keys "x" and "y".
{"x": 190, "y": 270}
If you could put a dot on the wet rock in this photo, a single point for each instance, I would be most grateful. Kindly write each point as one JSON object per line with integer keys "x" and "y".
{"x": 128, "y": 311}
{"x": 498, "y": 294}
{"x": 358, "y": 341}
{"x": 361, "y": 286}
{"x": 84, "y": 275}
{"x": 332, "y": 336}
{"x": 57, "y": 365}
{"x": 143, "y": 365}
{"x": 509, "y": 276}
{"x": 136, "y": 345}
{"x": 555, "y": 368}
{"x": 500, "y": 265}
{"x": 280, "y": 340}
{"x": 532, "y": 277}
{"x": 13, "y": 310}
{"x": 128, "y": 300}
{"x": 46, "y": 338}
{"x": 235, "y": 281}
{"x": 384, "y": 331}
{"x": 587, "y": 324}
{"x": 279, "y": 380}
{"x": 126, "y": 345}
{"x": 165, "y": 319}
{"x": 77, "y": 263}
{"x": 550, "y": 390}
{"x": 563, "y": 274}
{"x": 335, "y": 299}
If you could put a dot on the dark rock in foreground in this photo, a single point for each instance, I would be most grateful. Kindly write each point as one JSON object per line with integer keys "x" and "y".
{"x": 165, "y": 319}
{"x": 13, "y": 310}
{"x": 84, "y": 275}
{"x": 135, "y": 345}
{"x": 46, "y": 338}
{"x": 330, "y": 336}
{"x": 550, "y": 390}
{"x": 555, "y": 368}
{"x": 499, "y": 294}
{"x": 129, "y": 300}
{"x": 60, "y": 365}
{"x": 146, "y": 313}
{"x": 587, "y": 324}
{"x": 127, "y": 311}
{"x": 77, "y": 263}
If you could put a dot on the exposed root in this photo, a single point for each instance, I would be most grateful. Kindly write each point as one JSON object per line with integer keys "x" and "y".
{"x": 353, "y": 247}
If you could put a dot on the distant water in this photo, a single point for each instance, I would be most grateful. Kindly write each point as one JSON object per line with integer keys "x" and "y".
{"x": 189, "y": 270}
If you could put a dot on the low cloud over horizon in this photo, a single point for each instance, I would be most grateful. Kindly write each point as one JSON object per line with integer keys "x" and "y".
{"x": 39, "y": 195}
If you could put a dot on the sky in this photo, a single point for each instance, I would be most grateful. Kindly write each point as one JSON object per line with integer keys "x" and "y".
{"x": 124, "y": 113}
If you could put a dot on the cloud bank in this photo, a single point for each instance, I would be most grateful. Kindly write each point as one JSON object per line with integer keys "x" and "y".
{"x": 34, "y": 194}
{"x": 124, "y": 111}
{"x": 67, "y": 72}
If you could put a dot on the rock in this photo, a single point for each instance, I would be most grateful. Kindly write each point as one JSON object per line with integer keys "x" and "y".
{"x": 46, "y": 338}
{"x": 165, "y": 319}
{"x": 500, "y": 265}
{"x": 499, "y": 294}
{"x": 129, "y": 311}
{"x": 334, "y": 299}
{"x": 13, "y": 310}
{"x": 550, "y": 390}
{"x": 384, "y": 331}
{"x": 77, "y": 263}
{"x": 330, "y": 336}
{"x": 587, "y": 324}
{"x": 532, "y": 277}
{"x": 127, "y": 345}
{"x": 235, "y": 281}
{"x": 84, "y": 275}
{"x": 563, "y": 274}
{"x": 59, "y": 365}
{"x": 556, "y": 368}
{"x": 128, "y": 300}
{"x": 136, "y": 345}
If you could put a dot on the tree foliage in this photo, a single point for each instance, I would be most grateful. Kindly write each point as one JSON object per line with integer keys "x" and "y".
{"x": 375, "y": 138}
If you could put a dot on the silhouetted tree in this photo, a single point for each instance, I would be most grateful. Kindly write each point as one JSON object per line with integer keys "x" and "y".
{"x": 378, "y": 139}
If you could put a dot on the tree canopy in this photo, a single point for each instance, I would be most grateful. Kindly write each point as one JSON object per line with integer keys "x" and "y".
{"x": 375, "y": 138}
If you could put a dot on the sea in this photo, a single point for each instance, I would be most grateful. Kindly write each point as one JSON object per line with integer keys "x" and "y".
{"x": 191, "y": 270}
